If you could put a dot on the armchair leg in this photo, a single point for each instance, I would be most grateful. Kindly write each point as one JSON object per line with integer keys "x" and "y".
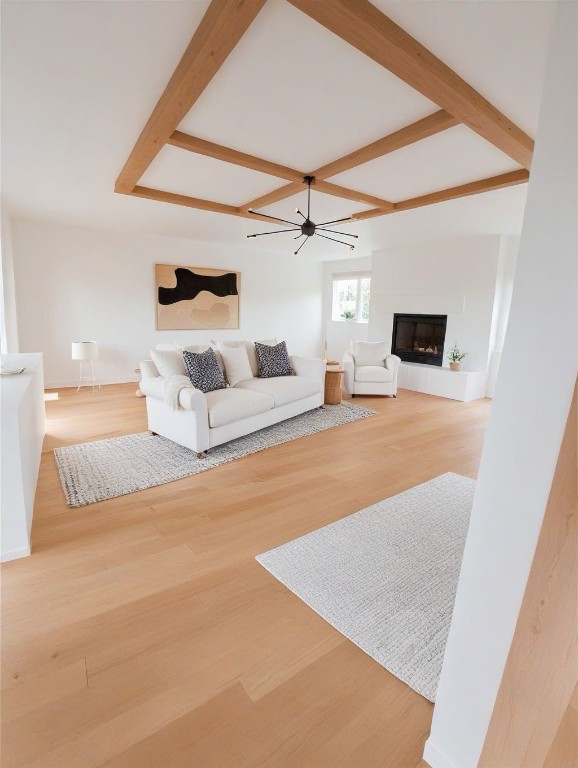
{"x": 154, "y": 434}
{"x": 352, "y": 395}
{"x": 201, "y": 455}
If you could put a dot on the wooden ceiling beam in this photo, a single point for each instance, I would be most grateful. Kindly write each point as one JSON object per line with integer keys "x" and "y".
{"x": 422, "y": 129}
{"x": 288, "y": 190}
{"x": 366, "y": 28}
{"x": 227, "y": 155}
{"x": 510, "y": 179}
{"x": 350, "y": 194}
{"x": 321, "y": 186}
{"x": 221, "y": 28}
{"x": 193, "y": 202}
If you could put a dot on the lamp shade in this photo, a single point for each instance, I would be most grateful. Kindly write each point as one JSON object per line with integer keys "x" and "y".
{"x": 84, "y": 350}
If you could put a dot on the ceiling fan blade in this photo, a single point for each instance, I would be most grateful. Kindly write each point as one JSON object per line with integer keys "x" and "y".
{"x": 335, "y": 232}
{"x": 335, "y": 221}
{"x": 274, "y": 218}
{"x": 351, "y": 247}
{"x": 275, "y": 232}
{"x": 301, "y": 246}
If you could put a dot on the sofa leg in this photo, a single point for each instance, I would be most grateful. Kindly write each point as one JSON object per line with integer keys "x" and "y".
{"x": 154, "y": 434}
{"x": 201, "y": 455}
{"x": 395, "y": 395}
{"x": 352, "y": 395}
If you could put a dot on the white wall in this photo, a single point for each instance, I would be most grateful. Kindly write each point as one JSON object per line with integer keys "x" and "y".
{"x": 532, "y": 398}
{"x": 74, "y": 283}
{"x": 340, "y": 333}
{"x": 456, "y": 278}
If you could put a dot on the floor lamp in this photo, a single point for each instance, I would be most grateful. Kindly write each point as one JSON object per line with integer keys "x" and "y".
{"x": 85, "y": 352}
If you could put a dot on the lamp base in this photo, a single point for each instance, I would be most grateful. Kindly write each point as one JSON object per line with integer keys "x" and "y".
{"x": 89, "y": 379}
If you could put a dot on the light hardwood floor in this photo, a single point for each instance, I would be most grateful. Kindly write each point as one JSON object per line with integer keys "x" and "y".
{"x": 141, "y": 632}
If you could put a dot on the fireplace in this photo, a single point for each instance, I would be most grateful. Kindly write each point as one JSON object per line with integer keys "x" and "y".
{"x": 419, "y": 338}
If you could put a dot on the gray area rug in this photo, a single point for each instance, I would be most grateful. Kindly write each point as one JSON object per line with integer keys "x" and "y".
{"x": 386, "y": 577}
{"x": 103, "y": 469}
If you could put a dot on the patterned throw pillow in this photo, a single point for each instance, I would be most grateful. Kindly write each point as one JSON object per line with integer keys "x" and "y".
{"x": 203, "y": 370}
{"x": 272, "y": 361}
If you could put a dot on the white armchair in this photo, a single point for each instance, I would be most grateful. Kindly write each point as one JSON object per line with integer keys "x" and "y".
{"x": 370, "y": 370}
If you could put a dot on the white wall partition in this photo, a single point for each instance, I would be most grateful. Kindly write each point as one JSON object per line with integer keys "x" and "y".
{"x": 456, "y": 278}
{"x": 22, "y": 420}
{"x": 532, "y": 398}
{"x": 75, "y": 283}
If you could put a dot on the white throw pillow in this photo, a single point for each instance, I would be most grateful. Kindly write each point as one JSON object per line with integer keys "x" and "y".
{"x": 168, "y": 363}
{"x": 368, "y": 352}
{"x": 237, "y": 364}
{"x": 250, "y": 347}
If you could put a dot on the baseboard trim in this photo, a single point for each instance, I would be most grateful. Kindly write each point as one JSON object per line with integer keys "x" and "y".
{"x": 73, "y": 383}
{"x": 14, "y": 554}
{"x": 434, "y": 757}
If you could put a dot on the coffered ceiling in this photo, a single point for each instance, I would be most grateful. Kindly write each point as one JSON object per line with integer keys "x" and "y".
{"x": 82, "y": 79}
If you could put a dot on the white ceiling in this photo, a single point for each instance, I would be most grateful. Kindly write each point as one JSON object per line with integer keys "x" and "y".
{"x": 79, "y": 80}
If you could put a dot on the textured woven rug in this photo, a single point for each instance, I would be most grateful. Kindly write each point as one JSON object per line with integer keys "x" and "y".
{"x": 386, "y": 577}
{"x": 103, "y": 469}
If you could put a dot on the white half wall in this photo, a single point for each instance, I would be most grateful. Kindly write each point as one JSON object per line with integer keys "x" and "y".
{"x": 531, "y": 403}
{"x": 74, "y": 283}
{"x": 456, "y": 278}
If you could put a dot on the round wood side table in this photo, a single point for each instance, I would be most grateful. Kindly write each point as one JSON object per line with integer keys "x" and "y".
{"x": 333, "y": 374}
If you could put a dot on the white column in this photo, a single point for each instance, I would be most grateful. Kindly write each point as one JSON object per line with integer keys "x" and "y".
{"x": 532, "y": 398}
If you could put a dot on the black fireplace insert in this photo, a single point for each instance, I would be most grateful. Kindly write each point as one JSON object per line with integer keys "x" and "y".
{"x": 419, "y": 338}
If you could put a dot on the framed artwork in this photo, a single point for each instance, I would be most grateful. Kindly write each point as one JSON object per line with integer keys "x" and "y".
{"x": 195, "y": 298}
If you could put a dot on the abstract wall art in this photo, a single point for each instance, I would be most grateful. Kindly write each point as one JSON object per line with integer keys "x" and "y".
{"x": 195, "y": 298}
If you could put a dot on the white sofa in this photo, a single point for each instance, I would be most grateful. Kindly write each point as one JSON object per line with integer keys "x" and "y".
{"x": 370, "y": 370}
{"x": 203, "y": 421}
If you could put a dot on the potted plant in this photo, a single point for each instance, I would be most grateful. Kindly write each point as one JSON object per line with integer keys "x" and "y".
{"x": 455, "y": 357}
{"x": 348, "y": 314}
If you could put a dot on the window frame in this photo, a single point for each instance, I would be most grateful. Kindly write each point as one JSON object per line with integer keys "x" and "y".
{"x": 358, "y": 277}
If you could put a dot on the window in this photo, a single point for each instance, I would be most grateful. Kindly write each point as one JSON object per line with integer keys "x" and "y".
{"x": 351, "y": 297}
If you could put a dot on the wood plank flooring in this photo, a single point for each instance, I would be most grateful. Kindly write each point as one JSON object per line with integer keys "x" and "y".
{"x": 142, "y": 633}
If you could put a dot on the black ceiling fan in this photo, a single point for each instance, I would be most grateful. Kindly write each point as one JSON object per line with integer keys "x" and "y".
{"x": 307, "y": 227}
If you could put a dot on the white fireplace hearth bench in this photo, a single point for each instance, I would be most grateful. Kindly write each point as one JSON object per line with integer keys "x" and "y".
{"x": 202, "y": 420}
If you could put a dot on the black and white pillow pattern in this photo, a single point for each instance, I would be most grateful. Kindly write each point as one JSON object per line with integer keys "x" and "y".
{"x": 272, "y": 361}
{"x": 203, "y": 370}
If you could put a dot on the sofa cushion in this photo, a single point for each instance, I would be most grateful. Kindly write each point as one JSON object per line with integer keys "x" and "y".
{"x": 284, "y": 389}
{"x": 373, "y": 374}
{"x": 169, "y": 362}
{"x": 250, "y": 347}
{"x": 237, "y": 366}
{"x": 272, "y": 360}
{"x": 204, "y": 371}
{"x": 228, "y": 405}
{"x": 368, "y": 352}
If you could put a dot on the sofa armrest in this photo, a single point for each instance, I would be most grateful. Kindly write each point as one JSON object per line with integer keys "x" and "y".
{"x": 392, "y": 364}
{"x": 348, "y": 372}
{"x": 309, "y": 367}
{"x": 148, "y": 370}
